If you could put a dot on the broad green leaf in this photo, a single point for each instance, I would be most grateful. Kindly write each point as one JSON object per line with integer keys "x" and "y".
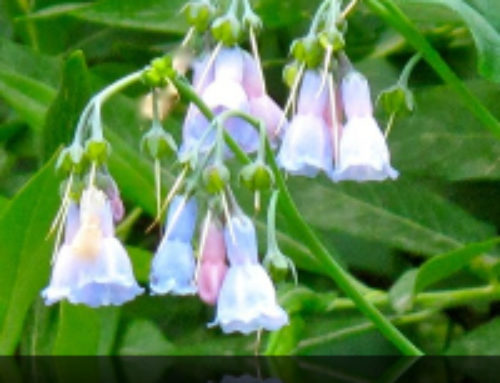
{"x": 149, "y": 15}
{"x": 83, "y": 330}
{"x": 25, "y": 252}
{"x": 401, "y": 214}
{"x": 25, "y": 61}
{"x": 26, "y": 96}
{"x": 483, "y": 340}
{"x": 141, "y": 262}
{"x": 64, "y": 112}
{"x": 143, "y": 337}
{"x": 444, "y": 265}
{"x": 487, "y": 39}
{"x": 403, "y": 292}
{"x": 442, "y": 140}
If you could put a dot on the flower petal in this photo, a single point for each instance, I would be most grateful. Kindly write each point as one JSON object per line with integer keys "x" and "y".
{"x": 173, "y": 268}
{"x": 364, "y": 155}
{"x": 247, "y": 301}
{"x": 306, "y": 147}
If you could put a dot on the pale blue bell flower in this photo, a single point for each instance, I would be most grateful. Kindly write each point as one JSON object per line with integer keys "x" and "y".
{"x": 173, "y": 266}
{"x": 363, "y": 152}
{"x": 91, "y": 267}
{"x": 307, "y": 144}
{"x": 247, "y": 299}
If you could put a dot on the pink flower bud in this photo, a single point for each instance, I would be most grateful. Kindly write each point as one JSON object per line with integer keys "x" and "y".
{"x": 213, "y": 265}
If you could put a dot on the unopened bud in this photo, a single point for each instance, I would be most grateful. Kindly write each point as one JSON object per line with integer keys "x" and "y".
{"x": 157, "y": 143}
{"x": 71, "y": 159}
{"x": 216, "y": 178}
{"x": 290, "y": 73}
{"x": 307, "y": 50}
{"x": 397, "y": 99}
{"x": 226, "y": 29}
{"x": 199, "y": 14}
{"x": 97, "y": 149}
{"x": 278, "y": 265}
{"x": 257, "y": 176}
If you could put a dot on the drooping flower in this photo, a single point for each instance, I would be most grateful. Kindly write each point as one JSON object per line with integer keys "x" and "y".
{"x": 213, "y": 265}
{"x": 173, "y": 266}
{"x": 92, "y": 266}
{"x": 363, "y": 153}
{"x": 247, "y": 299}
{"x": 307, "y": 144}
{"x": 232, "y": 82}
{"x": 262, "y": 105}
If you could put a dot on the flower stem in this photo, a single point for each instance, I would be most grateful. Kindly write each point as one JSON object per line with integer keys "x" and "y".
{"x": 336, "y": 272}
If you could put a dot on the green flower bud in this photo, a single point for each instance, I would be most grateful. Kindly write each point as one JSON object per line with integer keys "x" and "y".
{"x": 199, "y": 14}
{"x": 71, "y": 159}
{"x": 257, "y": 176}
{"x": 216, "y": 178}
{"x": 97, "y": 149}
{"x": 290, "y": 73}
{"x": 332, "y": 38}
{"x": 153, "y": 78}
{"x": 278, "y": 265}
{"x": 308, "y": 50}
{"x": 157, "y": 143}
{"x": 396, "y": 99}
{"x": 162, "y": 66}
{"x": 226, "y": 29}
{"x": 251, "y": 20}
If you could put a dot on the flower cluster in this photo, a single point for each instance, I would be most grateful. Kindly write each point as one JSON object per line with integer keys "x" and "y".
{"x": 230, "y": 112}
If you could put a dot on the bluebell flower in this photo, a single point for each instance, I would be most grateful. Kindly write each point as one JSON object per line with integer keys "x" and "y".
{"x": 91, "y": 267}
{"x": 173, "y": 266}
{"x": 363, "y": 153}
{"x": 307, "y": 144}
{"x": 247, "y": 299}
{"x": 232, "y": 82}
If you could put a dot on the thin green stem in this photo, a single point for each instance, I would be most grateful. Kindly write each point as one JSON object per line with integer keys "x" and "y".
{"x": 436, "y": 299}
{"x": 337, "y": 273}
{"x": 393, "y": 15}
{"x": 408, "y": 68}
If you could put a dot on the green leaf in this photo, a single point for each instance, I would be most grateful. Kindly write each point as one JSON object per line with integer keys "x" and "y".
{"x": 26, "y": 96}
{"x": 487, "y": 39}
{"x": 480, "y": 341}
{"x": 413, "y": 281}
{"x": 442, "y": 140}
{"x": 64, "y": 112}
{"x": 444, "y": 265}
{"x": 27, "y": 62}
{"x": 402, "y": 214}
{"x": 83, "y": 330}
{"x": 25, "y": 252}
{"x": 401, "y": 294}
{"x": 147, "y": 15}
{"x": 392, "y": 14}
{"x": 143, "y": 337}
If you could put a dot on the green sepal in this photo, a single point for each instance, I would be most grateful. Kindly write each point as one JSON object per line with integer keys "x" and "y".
{"x": 257, "y": 176}
{"x": 71, "y": 159}
{"x": 199, "y": 14}
{"x": 97, "y": 149}
{"x": 333, "y": 38}
{"x": 290, "y": 73}
{"x": 307, "y": 50}
{"x": 278, "y": 265}
{"x": 396, "y": 99}
{"x": 216, "y": 177}
{"x": 226, "y": 29}
{"x": 157, "y": 143}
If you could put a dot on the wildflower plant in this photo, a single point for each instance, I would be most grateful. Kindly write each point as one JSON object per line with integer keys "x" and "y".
{"x": 236, "y": 143}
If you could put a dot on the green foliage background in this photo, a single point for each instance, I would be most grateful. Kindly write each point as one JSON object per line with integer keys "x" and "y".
{"x": 424, "y": 246}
